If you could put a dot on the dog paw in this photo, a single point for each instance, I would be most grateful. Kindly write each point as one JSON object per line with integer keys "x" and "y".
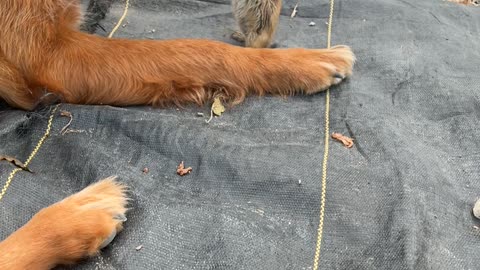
{"x": 307, "y": 71}
{"x": 331, "y": 67}
{"x": 343, "y": 59}
{"x": 82, "y": 224}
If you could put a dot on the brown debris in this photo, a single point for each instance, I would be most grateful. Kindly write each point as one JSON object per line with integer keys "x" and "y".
{"x": 145, "y": 170}
{"x": 181, "y": 170}
{"x": 466, "y": 2}
{"x": 16, "y": 162}
{"x": 347, "y": 142}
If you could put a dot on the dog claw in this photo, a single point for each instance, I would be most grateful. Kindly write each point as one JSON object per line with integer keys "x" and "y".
{"x": 120, "y": 217}
{"x": 337, "y": 80}
{"x": 109, "y": 239}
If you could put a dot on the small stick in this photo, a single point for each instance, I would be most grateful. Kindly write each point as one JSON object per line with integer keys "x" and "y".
{"x": 15, "y": 162}
{"x": 211, "y": 116}
{"x": 294, "y": 12}
{"x": 66, "y": 114}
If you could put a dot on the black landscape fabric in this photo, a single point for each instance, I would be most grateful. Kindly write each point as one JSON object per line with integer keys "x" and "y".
{"x": 401, "y": 198}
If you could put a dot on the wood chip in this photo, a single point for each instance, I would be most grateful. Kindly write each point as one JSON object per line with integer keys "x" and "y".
{"x": 69, "y": 130}
{"x": 181, "y": 170}
{"x": 294, "y": 12}
{"x": 16, "y": 162}
{"x": 347, "y": 142}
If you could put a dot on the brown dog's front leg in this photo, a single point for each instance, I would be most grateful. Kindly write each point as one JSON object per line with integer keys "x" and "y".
{"x": 94, "y": 70}
{"x": 69, "y": 230}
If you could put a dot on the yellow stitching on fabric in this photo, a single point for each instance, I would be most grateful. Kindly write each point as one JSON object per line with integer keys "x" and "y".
{"x": 125, "y": 11}
{"x": 318, "y": 246}
{"x": 330, "y": 20}
{"x": 32, "y": 155}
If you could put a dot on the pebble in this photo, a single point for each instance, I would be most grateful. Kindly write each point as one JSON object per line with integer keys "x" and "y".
{"x": 476, "y": 209}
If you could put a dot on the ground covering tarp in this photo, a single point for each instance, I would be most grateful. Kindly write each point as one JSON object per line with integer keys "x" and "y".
{"x": 399, "y": 199}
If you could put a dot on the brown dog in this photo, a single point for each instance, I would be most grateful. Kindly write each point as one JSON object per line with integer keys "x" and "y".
{"x": 42, "y": 50}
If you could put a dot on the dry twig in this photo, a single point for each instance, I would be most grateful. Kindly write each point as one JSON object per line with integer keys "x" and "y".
{"x": 66, "y": 114}
{"x": 15, "y": 162}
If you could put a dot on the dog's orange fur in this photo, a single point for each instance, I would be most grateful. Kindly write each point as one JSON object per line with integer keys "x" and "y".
{"x": 41, "y": 49}
{"x": 68, "y": 230}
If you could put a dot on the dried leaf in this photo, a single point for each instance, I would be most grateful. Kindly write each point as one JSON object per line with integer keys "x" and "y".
{"x": 348, "y": 142}
{"x": 181, "y": 170}
{"x": 217, "y": 107}
{"x": 15, "y": 162}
